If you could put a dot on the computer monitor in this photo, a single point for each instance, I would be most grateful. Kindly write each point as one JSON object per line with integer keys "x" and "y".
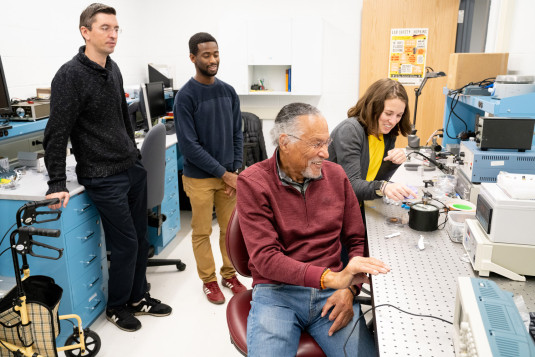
{"x": 160, "y": 73}
{"x": 5, "y": 100}
{"x": 152, "y": 103}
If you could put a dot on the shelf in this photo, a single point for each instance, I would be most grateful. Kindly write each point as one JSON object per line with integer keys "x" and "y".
{"x": 268, "y": 92}
{"x": 520, "y": 106}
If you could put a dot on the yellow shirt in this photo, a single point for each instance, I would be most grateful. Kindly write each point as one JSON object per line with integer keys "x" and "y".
{"x": 377, "y": 150}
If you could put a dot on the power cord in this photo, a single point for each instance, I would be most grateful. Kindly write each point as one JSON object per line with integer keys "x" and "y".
{"x": 485, "y": 83}
{"x": 5, "y": 250}
{"x": 433, "y": 161}
{"x": 4, "y": 237}
{"x": 395, "y": 307}
{"x": 443, "y": 224}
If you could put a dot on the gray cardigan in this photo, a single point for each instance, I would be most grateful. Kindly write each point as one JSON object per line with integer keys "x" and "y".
{"x": 350, "y": 149}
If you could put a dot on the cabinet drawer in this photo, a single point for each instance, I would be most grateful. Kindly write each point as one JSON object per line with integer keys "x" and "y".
{"x": 84, "y": 260}
{"x": 86, "y": 285}
{"x": 171, "y": 192}
{"x": 171, "y": 175}
{"x": 170, "y": 189}
{"x": 170, "y": 206}
{"x": 170, "y": 228}
{"x": 80, "y": 208}
{"x": 91, "y": 307}
{"x": 83, "y": 235}
{"x": 170, "y": 155}
{"x": 170, "y": 164}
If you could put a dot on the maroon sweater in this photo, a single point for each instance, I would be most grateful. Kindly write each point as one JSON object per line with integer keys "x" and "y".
{"x": 291, "y": 239}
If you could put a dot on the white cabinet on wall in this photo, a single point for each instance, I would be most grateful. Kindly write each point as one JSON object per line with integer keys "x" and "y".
{"x": 262, "y": 54}
{"x": 269, "y": 45}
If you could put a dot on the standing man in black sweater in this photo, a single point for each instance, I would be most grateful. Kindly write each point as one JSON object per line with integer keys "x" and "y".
{"x": 88, "y": 106}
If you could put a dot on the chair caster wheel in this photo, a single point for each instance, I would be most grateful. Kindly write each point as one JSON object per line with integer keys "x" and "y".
{"x": 181, "y": 266}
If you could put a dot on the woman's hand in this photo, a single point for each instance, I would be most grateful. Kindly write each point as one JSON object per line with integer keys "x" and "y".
{"x": 397, "y": 156}
{"x": 397, "y": 191}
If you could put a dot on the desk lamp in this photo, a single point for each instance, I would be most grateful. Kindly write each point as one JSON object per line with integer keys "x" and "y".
{"x": 413, "y": 139}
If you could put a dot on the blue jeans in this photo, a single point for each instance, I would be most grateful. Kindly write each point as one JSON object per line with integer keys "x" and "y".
{"x": 280, "y": 312}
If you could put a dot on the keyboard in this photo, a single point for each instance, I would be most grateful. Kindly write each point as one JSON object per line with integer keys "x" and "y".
{"x": 532, "y": 325}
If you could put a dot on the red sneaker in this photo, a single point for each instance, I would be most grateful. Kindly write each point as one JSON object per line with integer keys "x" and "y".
{"x": 233, "y": 284}
{"x": 213, "y": 293}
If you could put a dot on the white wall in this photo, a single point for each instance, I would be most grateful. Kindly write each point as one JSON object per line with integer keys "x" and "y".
{"x": 522, "y": 39}
{"x": 511, "y": 30}
{"x": 37, "y": 37}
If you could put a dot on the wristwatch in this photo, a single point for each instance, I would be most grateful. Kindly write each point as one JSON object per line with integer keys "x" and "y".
{"x": 378, "y": 186}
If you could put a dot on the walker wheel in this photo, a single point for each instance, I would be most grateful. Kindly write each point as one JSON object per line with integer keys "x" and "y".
{"x": 181, "y": 266}
{"x": 92, "y": 344}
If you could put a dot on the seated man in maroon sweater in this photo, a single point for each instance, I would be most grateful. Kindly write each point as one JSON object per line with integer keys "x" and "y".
{"x": 296, "y": 211}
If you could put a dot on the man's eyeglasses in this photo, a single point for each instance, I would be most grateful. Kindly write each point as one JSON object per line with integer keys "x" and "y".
{"x": 109, "y": 29}
{"x": 317, "y": 145}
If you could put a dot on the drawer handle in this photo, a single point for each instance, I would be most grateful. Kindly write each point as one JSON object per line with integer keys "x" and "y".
{"x": 172, "y": 228}
{"x": 170, "y": 179}
{"x": 172, "y": 212}
{"x": 87, "y": 236}
{"x": 90, "y": 261}
{"x": 172, "y": 195}
{"x": 93, "y": 283}
{"x": 86, "y": 207}
{"x": 94, "y": 306}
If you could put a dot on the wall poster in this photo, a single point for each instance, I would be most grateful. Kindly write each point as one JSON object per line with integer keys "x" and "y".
{"x": 408, "y": 51}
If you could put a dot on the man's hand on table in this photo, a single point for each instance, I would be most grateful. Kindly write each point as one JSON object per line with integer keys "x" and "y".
{"x": 355, "y": 273}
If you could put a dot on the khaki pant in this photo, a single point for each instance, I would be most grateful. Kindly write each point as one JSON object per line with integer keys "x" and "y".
{"x": 203, "y": 195}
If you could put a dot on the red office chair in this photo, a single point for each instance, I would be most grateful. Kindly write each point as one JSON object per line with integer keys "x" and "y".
{"x": 240, "y": 304}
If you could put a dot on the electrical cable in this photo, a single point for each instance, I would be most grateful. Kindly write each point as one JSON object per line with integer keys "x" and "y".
{"x": 485, "y": 83}
{"x": 4, "y": 237}
{"x": 431, "y": 137}
{"x": 395, "y": 307}
{"x": 5, "y": 250}
{"x": 443, "y": 224}
{"x": 434, "y": 162}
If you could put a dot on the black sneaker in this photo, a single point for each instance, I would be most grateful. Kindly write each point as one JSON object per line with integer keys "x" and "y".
{"x": 150, "y": 306}
{"x": 123, "y": 319}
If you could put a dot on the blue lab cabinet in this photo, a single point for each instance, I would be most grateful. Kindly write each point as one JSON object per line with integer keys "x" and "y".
{"x": 170, "y": 205}
{"x": 81, "y": 271}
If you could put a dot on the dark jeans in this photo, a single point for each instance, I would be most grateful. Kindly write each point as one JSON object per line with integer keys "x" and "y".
{"x": 121, "y": 200}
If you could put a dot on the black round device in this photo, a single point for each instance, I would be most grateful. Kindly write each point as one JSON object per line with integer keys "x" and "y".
{"x": 424, "y": 217}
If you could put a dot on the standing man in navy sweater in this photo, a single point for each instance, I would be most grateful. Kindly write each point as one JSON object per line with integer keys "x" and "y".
{"x": 88, "y": 106}
{"x": 209, "y": 131}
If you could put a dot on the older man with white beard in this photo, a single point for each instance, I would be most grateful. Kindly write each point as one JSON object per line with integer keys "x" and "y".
{"x": 296, "y": 210}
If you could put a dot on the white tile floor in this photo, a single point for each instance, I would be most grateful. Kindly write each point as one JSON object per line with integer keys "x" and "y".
{"x": 195, "y": 328}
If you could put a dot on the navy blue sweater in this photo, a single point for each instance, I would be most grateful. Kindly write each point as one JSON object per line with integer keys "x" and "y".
{"x": 88, "y": 105}
{"x": 209, "y": 128}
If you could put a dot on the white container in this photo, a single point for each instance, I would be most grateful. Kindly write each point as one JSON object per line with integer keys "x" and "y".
{"x": 455, "y": 224}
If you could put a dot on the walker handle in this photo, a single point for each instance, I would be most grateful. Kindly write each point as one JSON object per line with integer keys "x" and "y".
{"x": 29, "y": 212}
